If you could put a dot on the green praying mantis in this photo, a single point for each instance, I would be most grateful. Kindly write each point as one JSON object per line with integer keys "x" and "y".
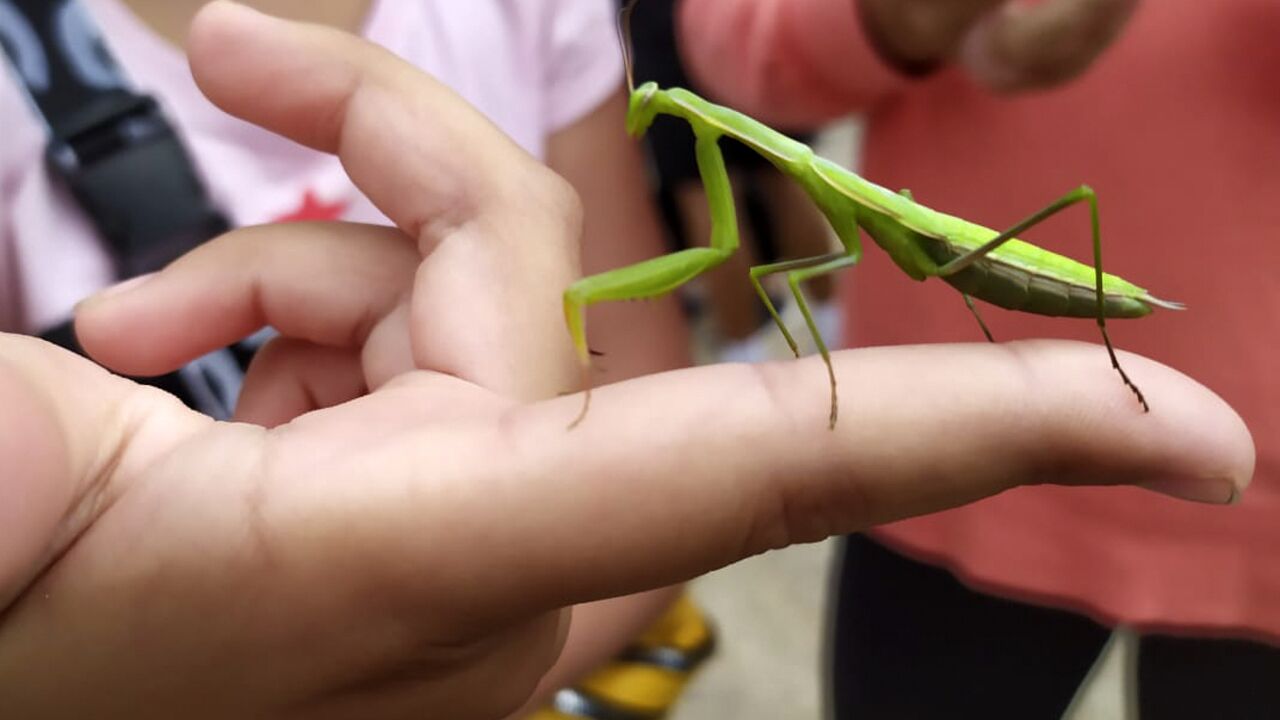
{"x": 980, "y": 262}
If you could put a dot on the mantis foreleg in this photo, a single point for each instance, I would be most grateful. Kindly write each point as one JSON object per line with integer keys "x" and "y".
{"x": 1080, "y": 194}
{"x": 660, "y": 275}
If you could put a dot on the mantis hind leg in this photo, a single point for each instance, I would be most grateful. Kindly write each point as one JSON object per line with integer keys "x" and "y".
{"x": 1081, "y": 194}
{"x": 798, "y": 271}
{"x": 968, "y": 301}
{"x": 660, "y": 275}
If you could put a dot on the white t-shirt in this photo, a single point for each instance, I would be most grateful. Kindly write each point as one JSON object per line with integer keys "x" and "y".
{"x": 532, "y": 66}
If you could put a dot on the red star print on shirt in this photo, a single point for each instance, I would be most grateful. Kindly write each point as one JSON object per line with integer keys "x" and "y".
{"x": 313, "y": 208}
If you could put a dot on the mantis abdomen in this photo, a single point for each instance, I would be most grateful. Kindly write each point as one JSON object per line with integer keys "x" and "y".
{"x": 1039, "y": 291}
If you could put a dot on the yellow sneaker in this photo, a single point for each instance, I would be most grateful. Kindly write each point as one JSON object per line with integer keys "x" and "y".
{"x": 645, "y": 680}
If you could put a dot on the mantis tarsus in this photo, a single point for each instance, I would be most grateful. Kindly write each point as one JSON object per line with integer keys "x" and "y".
{"x": 979, "y": 262}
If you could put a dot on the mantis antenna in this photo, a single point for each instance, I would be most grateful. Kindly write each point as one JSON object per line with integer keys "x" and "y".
{"x": 624, "y": 38}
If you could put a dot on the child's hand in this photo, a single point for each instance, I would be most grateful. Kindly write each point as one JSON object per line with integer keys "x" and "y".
{"x": 405, "y": 551}
{"x": 1008, "y": 45}
{"x": 488, "y": 238}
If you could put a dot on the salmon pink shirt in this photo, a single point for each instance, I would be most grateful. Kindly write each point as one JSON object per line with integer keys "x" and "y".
{"x": 532, "y": 67}
{"x": 1177, "y": 127}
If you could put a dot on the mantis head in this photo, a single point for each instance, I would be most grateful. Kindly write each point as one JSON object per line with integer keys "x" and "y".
{"x": 641, "y": 110}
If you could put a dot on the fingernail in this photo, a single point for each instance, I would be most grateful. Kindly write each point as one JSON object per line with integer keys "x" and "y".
{"x": 117, "y": 289}
{"x": 1213, "y": 491}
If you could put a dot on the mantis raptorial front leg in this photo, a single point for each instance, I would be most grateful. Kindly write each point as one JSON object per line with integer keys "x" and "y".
{"x": 659, "y": 275}
{"x": 1080, "y": 194}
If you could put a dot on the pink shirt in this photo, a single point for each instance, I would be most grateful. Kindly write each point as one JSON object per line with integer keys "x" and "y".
{"x": 1178, "y": 129}
{"x": 532, "y": 67}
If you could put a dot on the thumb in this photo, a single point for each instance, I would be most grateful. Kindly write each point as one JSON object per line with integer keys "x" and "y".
{"x": 68, "y": 428}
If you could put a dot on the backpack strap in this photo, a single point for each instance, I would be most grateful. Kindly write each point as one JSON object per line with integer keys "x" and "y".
{"x": 122, "y": 160}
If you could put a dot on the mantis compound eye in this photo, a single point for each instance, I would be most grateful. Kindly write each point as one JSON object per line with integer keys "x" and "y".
{"x": 642, "y": 108}
{"x": 649, "y": 93}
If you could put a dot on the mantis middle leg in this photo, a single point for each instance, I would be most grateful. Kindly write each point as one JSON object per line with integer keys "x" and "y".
{"x": 798, "y": 271}
{"x": 968, "y": 301}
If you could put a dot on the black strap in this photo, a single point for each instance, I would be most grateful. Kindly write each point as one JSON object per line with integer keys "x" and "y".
{"x": 122, "y": 161}
{"x": 114, "y": 149}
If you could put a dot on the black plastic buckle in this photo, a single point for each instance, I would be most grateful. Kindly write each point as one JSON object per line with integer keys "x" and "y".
{"x": 129, "y": 170}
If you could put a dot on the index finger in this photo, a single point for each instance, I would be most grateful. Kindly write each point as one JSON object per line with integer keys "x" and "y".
{"x": 674, "y": 475}
{"x": 411, "y": 144}
{"x": 741, "y": 463}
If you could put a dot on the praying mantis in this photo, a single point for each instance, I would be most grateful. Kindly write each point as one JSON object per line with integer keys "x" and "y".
{"x": 979, "y": 262}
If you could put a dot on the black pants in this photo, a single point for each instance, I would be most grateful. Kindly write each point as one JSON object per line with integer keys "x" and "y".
{"x": 911, "y": 642}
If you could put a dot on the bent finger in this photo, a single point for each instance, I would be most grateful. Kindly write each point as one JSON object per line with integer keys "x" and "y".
{"x": 289, "y": 378}
{"x": 420, "y": 152}
{"x": 325, "y": 283}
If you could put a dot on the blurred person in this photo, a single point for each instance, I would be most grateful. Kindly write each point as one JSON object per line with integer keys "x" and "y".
{"x": 988, "y": 110}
